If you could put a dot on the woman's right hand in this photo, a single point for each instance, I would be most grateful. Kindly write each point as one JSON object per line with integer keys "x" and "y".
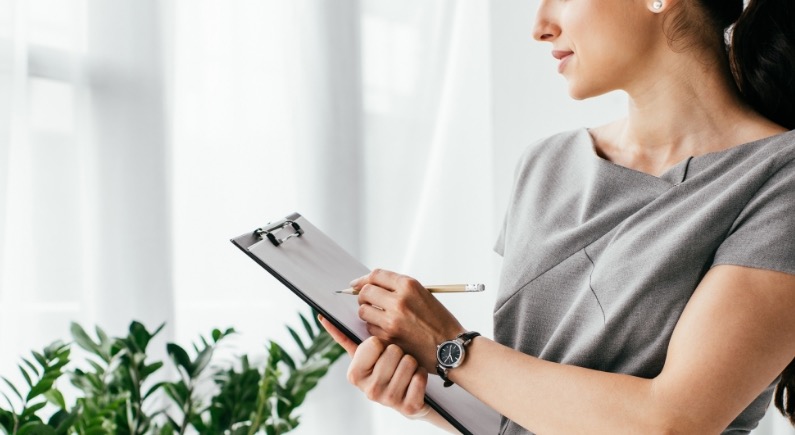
{"x": 385, "y": 373}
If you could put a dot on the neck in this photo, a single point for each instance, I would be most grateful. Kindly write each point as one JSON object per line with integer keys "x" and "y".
{"x": 694, "y": 108}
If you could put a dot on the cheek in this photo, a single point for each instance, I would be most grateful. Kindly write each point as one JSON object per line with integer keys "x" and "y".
{"x": 605, "y": 63}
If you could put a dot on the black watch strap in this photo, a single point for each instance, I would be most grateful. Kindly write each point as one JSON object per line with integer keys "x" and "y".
{"x": 442, "y": 372}
{"x": 465, "y": 338}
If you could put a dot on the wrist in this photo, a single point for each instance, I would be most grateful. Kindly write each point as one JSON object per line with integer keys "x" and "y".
{"x": 426, "y": 409}
{"x": 451, "y": 354}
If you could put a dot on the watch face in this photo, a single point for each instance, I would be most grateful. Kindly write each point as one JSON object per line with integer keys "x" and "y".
{"x": 449, "y": 354}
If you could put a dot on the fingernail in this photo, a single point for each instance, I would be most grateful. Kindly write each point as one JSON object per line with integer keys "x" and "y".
{"x": 320, "y": 317}
{"x": 355, "y": 282}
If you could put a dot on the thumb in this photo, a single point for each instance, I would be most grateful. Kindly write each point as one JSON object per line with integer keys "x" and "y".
{"x": 338, "y": 335}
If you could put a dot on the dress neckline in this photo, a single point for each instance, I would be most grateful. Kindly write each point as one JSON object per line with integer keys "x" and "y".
{"x": 677, "y": 173}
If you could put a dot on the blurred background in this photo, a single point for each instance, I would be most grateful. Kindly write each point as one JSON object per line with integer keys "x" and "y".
{"x": 138, "y": 136}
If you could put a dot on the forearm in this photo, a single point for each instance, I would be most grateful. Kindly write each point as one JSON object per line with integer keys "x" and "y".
{"x": 726, "y": 348}
{"x": 552, "y": 398}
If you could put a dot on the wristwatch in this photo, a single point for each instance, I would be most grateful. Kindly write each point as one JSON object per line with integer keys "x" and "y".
{"x": 450, "y": 354}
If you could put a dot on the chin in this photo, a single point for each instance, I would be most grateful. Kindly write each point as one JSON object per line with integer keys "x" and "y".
{"x": 581, "y": 91}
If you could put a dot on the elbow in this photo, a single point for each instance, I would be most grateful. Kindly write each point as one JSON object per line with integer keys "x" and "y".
{"x": 668, "y": 414}
{"x": 677, "y": 423}
{"x": 680, "y": 429}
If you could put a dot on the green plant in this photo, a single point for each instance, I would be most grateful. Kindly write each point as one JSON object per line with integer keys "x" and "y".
{"x": 40, "y": 379}
{"x": 117, "y": 392}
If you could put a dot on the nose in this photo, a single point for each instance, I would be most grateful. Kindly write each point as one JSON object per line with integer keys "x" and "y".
{"x": 545, "y": 28}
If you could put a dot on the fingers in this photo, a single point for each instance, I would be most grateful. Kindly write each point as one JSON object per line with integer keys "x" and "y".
{"x": 373, "y": 316}
{"x": 378, "y": 384}
{"x": 389, "y": 376}
{"x": 414, "y": 401}
{"x": 338, "y": 335}
{"x": 401, "y": 380}
{"x": 386, "y": 279}
{"x": 364, "y": 360}
{"x": 375, "y": 295}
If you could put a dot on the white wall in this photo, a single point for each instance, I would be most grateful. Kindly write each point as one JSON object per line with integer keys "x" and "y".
{"x": 530, "y": 98}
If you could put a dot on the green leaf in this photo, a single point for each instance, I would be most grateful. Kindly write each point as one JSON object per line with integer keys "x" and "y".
{"x": 98, "y": 369}
{"x": 167, "y": 429}
{"x": 201, "y": 361}
{"x": 177, "y": 392}
{"x": 40, "y": 358}
{"x": 26, "y": 376}
{"x": 56, "y": 398}
{"x": 180, "y": 357}
{"x": 13, "y": 388}
{"x": 32, "y": 409}
{"x": 6, "y": 421}
{"x": 32, "y": 367}
{"x": 83, "y": 340}
{"x": 97, "y": 431}
{"x": 42, "y": 386}
{"x": 307, "y": 327}
{"x": 62, "y": 421}
{"x": 52, "y": 350}
{"x": 10, "y": 405}
{"x": 157, "y": 331}
{"x": 298, "y": 341}
{"x": 140, "y": 336}
{"x": 148, "y": 370}
{"x": 102, "y": 336}
{"x": 154, "y": 388}
{"x": 36, "y": 428}
{"x": 285, "y": 356}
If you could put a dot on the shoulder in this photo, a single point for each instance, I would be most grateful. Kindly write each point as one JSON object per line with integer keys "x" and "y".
{"x": 553, "y": 148}
{"x": 778, "y": 148}
{"x": 763, "y": 182}
{"x": 751, "y": 166}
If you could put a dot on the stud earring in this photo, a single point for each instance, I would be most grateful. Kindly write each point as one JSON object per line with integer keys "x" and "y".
{"x": 657, "y": 5}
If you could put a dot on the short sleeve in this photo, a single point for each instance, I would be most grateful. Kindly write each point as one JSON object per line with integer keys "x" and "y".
{"x": 499, "y": 245}
{"x": 763, "y": 235}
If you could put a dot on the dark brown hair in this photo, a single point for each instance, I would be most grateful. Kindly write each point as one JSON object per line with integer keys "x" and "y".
{"x": 762, "y": 55}
{"x": 784, "y": 397}
{"x": 761, "y": 52}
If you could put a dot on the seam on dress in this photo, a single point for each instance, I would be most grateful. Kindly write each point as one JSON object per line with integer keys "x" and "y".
{"x": 531, "y": 280}
{"x": 590, "y": 285}
{"x": 687, "y": 168}
{"x": 521, "y": 287}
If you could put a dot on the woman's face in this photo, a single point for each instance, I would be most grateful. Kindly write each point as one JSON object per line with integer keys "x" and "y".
{"x": 603, "y": 45}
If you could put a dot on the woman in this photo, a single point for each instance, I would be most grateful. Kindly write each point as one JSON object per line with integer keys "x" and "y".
{"x": 648, "y": 281}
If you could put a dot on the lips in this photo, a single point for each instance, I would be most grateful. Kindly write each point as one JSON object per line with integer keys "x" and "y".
{"x": 560, "y": 54}
{"x": 563, "y": 56}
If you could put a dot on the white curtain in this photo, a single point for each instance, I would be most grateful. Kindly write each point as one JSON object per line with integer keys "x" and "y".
{"x": 85, "y": 225}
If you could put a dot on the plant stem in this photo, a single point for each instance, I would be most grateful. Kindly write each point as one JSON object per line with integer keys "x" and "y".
{"x": 262, "y": 400}
{"x": 186, "y": 410}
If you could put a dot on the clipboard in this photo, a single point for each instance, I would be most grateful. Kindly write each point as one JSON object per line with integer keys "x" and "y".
{"x": 313, "y": 266}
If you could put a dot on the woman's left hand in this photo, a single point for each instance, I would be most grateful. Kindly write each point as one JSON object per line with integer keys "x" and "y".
{"x": 399, "y": 310}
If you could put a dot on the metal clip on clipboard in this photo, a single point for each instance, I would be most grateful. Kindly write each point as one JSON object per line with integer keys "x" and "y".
{"x": 270, "y": 231}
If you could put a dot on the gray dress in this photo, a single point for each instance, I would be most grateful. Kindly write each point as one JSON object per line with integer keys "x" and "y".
{"x": 600, "y": 260}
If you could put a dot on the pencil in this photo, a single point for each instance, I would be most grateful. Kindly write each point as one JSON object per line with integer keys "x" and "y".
{"x": 447, "y": 288}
